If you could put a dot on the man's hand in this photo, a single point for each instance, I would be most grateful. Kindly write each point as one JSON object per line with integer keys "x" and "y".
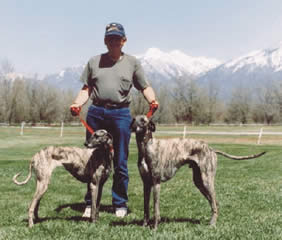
{"x": 75, "y": 110}
{"x": 153, "y": 107}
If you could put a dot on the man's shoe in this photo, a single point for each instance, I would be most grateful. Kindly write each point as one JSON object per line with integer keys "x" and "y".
{"x": 87, "y": 212}
{"x": 121, "y": 212}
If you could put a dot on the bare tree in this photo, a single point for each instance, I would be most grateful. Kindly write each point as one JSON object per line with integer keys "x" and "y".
{"x": 239, "y": 107}
{"x": 267, "y": 107}
{"x": 188, "y": 101}
{"x": 138, "y": 104}
{"x": 213, "y": 109}
{"x": 66, "y": 98}
{"x": 6, "y": 68}
{"x": 5, "y": 90}
{"x": 19, "y": 104}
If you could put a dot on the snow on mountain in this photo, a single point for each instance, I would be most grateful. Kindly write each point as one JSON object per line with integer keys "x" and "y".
{"x": 68, "y": 78}
{"x": 270, "y": 58}
{"x": 251, "y": 71}
{"x": 160, "y": 67}
{"x": 174, "y": 64}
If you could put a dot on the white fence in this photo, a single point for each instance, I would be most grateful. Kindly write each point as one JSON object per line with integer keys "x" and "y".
{"x": 185, "y": 132}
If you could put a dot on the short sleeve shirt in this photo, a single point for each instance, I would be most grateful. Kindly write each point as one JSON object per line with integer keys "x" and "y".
{"x": 111, "y": 81}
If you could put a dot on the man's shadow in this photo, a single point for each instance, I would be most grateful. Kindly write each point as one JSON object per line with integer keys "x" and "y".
{"x": 80, "y": 207}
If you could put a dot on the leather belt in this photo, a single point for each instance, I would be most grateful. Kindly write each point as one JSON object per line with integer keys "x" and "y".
{"x": 111, "y": 105}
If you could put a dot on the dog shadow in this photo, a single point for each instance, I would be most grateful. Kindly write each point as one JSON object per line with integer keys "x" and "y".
{"x": 79, "y": 207}
{"x": 151, "y": 222}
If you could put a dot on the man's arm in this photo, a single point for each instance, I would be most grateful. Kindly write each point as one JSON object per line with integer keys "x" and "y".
{"x": 81, "y": 99}
{"x": 149, "y": 94}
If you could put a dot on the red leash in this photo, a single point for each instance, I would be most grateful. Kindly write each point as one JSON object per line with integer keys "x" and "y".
{"x": 75, "y": 111}
{"x": 86, "y": 125}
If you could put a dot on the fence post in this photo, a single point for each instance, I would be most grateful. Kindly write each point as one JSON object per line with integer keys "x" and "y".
{"x": 184, "y": 132}
{"x": 260, "y": 135}
{"x": 22, "y": 127}
{"x": 62, "y": 129}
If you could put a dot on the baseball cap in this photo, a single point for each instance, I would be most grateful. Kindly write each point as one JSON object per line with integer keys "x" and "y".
{"x": 115, "y": 29}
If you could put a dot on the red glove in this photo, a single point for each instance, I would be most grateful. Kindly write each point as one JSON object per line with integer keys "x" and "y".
{"x": 153, "y": 107}
{"x": 75, "y": 111}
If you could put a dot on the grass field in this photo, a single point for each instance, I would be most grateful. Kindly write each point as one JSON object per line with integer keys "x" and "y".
{"x": 249, "y": 193}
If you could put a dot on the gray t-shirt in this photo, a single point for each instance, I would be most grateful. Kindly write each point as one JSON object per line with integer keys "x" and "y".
{"x": 111, "y": 81}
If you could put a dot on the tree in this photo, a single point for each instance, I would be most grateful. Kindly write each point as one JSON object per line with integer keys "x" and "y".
{"x": 5, "y": 90}
{"x": 188, "y": 101}
{"x": 239, "y": 107}
{"x": 19, "y": 104}
{"x": 213, "y": 109}
{"x": 267, "y": 103}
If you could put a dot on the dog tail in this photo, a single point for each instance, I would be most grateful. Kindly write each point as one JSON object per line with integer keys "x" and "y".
{"x": 26, "y": 180}
{"x": 239, "y": 157}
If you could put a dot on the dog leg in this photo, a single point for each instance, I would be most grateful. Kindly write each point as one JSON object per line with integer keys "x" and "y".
{"x": 156, "y": 190}
{"x": 204, "y": 181}
{"x": 94, "y": 194}
{"x": 41, "y": 188}
{"x": 36, "y": 210}
{"x": 147, "y": 192}
{"x": 208, "y": 183}
{"x": 100, "y": 190}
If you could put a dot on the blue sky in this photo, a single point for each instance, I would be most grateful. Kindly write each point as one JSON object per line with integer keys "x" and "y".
{"x": 45, "y": 36}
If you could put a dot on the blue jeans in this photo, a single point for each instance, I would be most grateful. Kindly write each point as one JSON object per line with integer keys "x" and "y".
{"x": 117, "y": 123}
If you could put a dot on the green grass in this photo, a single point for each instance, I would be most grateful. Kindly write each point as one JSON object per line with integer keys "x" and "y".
{"x": 249, "y": 195}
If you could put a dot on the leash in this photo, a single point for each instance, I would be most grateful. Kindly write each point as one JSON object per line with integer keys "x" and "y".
{"x": 76, "y": 112}
{"x": 86, "y": 125}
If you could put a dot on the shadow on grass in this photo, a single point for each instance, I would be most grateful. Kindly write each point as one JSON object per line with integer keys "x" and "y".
{"x": 79, "y": 207}
{"x": 151, "y": 222}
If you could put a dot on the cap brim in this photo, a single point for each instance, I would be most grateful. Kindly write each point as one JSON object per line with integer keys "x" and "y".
{"x": 114, "y": 33}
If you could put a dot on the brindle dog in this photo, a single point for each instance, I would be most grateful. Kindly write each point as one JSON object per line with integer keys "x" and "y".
{"x": 159, "y": 159}
{"x": 91, "y": 165}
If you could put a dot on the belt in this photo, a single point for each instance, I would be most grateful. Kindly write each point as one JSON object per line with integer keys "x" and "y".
{"x": 111, "y": 105}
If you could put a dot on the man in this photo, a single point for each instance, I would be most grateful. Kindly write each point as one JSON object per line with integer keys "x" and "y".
{"x": 108, "y": 79}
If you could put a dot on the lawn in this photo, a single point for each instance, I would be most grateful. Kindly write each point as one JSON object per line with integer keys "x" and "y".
{"x": 249, "y": 194}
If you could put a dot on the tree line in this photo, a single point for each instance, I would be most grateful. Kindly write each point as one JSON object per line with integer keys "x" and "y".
{"x": 33, "y": 101}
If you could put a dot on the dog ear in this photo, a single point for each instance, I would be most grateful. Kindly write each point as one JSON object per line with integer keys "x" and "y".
{"x": 110, "y": 138}
{"x": 87, "y": 144}
{"x": 152, "y": 126}
{"x": 133, "y": 125}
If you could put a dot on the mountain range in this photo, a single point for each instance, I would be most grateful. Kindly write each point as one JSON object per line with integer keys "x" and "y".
{"x": 251, "y": 70}
{"x": 160, "y": 68}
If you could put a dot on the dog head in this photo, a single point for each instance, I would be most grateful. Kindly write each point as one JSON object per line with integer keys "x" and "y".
{"x": 100, "y": 138}
{"x": 141, "y": 124}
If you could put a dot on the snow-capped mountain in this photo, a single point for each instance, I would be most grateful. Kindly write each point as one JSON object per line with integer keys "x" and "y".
{"x": 158, "y": 66}
{"x": 249, "y": 71}
{"x": 252, "y": 71}
{"x": 68, "y": 78}
{"x": 270, "y": 58}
